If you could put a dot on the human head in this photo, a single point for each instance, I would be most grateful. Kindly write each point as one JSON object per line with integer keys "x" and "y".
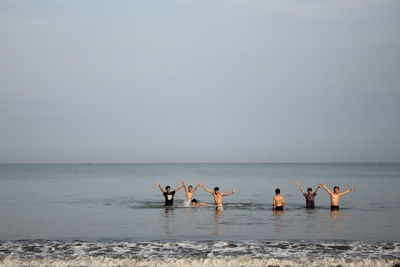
{"x": 309, "y": 190}
{"x": 277, "y": 191}
{"x": 336, "y": 189}
{"x": 168, "y": 188}
{"x": 194, "y": 201}
{"x": 216, "y": 189}
{"x": 190, "y": 188}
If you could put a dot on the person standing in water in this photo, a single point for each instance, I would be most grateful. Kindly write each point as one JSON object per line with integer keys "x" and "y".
{"x": 218, "y": 196}
{"x": 168, "y": 194}
{"x": 189, "y": 191}
{"x": 309, "y": 196}
{"x": 335, "y": 195}
{"x": 278, "y": 201}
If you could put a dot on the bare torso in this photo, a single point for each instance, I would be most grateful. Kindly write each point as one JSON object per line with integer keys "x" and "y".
{"x": 189, "y": 195}
{"x": 217, "y": 198}
{"x": 334, "y": 199}
{"x": 279, "y": 201}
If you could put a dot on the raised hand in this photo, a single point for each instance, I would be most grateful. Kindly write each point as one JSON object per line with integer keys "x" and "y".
{"x": 159, "y": 186}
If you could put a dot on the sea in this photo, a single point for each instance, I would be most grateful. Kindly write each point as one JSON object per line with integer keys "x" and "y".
{"x": 114, "y": 215}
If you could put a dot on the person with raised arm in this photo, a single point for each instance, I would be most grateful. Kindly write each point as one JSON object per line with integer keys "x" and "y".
{"x": 309, "y": 196}
{"x": 189, "y": 192}
{"x": 335, "y": 195}
{"x": 168, "y": 194}
{"x": 218, "y": 196}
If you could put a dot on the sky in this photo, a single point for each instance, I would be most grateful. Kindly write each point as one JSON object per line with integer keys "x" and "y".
{"x": 199, "y": 81}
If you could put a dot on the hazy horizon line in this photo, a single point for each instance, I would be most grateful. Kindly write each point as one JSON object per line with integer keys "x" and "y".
{"x": 207, "y": 162}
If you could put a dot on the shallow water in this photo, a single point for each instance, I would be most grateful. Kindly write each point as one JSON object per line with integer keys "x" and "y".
{"x": 118, "y": 201}
{"x": 114, "y": 207}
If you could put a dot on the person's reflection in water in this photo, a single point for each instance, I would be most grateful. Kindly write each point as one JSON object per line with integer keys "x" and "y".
{"x": 169, "y": 216}
{"x": 278, "y": 221}
{"x": 335, "y": 215}
{"x": 188, "y": 215}
{"x": 336, "y": 222}
{"x": 278, "y": 212}
{"x": 217, "y": 220}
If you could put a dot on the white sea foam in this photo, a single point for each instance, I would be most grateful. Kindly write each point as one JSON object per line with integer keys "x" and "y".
{"x": 199, "y": 253}
{"x": 193, "y": 261}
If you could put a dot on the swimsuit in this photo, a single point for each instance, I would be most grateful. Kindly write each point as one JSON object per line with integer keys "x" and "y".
{"x": 169, "y": 198}
{"x": 219, "y": 207}
{"x": 334, "y": 207}
{"x": 279, "y": 208}
{"x": 187, "y": 203}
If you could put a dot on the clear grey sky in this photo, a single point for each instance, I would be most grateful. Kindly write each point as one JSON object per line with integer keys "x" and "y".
{"x": 199, "y": 80}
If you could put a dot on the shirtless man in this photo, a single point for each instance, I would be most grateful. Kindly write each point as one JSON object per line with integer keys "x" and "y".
{"x": 336, "y": 195}
{"x": 309, "y": 196}
{"x": 168, "y": 194}
{"x": 196, "y": 204}
{"x": 218, "y": 196}
{"x": 278, "y": 201}
{"x": 189, "y": 191}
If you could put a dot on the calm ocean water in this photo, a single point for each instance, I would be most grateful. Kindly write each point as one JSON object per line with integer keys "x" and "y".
{"x": 98, "y": 214}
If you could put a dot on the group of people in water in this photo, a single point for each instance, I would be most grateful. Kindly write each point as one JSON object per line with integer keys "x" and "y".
{"x": 189, "y": 192}
{"x": 278, "y": 201}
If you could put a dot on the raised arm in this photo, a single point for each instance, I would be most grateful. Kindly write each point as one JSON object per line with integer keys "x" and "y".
{"x": 317, "y": 189}
{"x": 301, "y": 188}
{"x": 159, "y": 186}
{"x": 179, "y": 188}
{"x": 228, "y": 194}
{"x": 326, "y": 188}
{"x": 183, "y": 184}
{"x": 347, "y": 191}
{"x": 197, "y": 187}
{"x": 208, "y": 190}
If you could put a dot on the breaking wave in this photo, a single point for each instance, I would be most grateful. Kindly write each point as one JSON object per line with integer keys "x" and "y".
{"x": 199, "y": 253}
